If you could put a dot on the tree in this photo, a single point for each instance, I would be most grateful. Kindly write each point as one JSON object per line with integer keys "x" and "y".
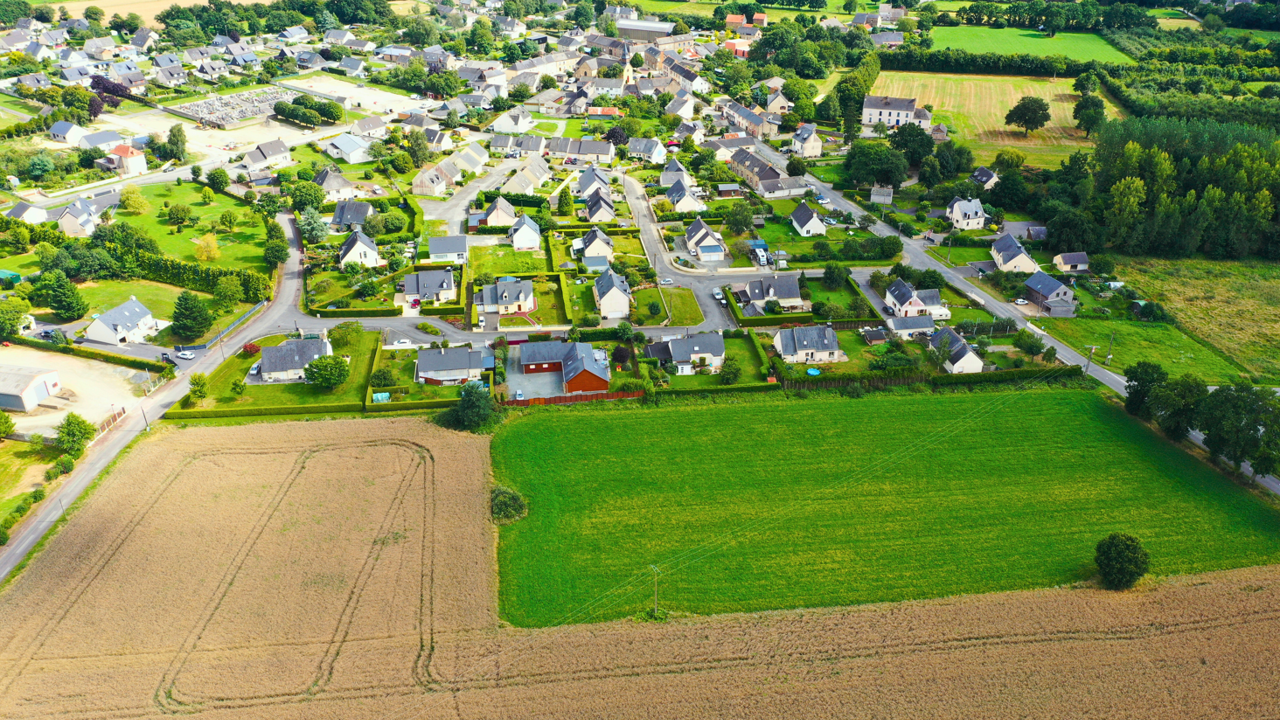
{"x": 228, "y": 292}
{"x": 796, "y": 166}
{"x": 1121, "y": 561}
{"x": 520, "y": 93}
{"x": 1176, "y": 403}
{"x": 40, "y": 165}
{"x": 1089, "y": 114}
{"x": 912, "y": 141}
{"x": 1031, "y": 113}
{"x": 1141, "y": 379}
{"x": 218, "y": 179}
{"x": 637, "y": 61}
{"x": 616, "y": 135}
{"x": 1009, "y": 160}
{"x": 74, "y": 435}
{"x": 880, "y": 129}
{"x": 198, "y": 386}
{"x": 207, "y": 249}
{"x": 7, "y": 425}
{"x": 228, "y": 220}
{"x": 94, "y": 13}
{"x": 311, "y": 225}
{"x": 834, "y": 276}
{"x": 1213, "y": 24}
{"x": 474, "y": 408}
{"x": 564, "y": 203}
{"x": 12, "y": 311}
{"x": 346, "y": 334}
{"x": 738, "y": 219}
{"x": 327, "y": 371}
{"x": 306, "y": 194}
{"x": 868, "y": 163}
{"x": 275, "y": 252}
{"x": 206, "y": 194}
{"x": 191, "y": 318}
{"x": 730, "y": 371}
{"x": 930, "y": 172}
{"x": 195, "y": 173}
{"x": 547, "y": 82}
{"x": 65, "y": 300}
{"x": 654, "y": 309}
{"x": 1230, "y": 417}
{"x": 1086, "y": 83}
{"x": 133, "y": 201}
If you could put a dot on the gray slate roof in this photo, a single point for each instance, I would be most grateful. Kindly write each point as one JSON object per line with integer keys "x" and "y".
{"x": 910, "y": 324}
{"x": 125, "y": 316}
{"x": 355, "y": 238}
{"x": 1075, "y": 258}
{"x": 683, "y": 349}
{"x": 1042, "y": 283}
{"x": 611, "y": 281}
{"x": 818, "y": 338}
{"x": 428, "y": 282}
{"x": 1007, "y": 247}
{"x": 956, "y": 345}
{"x": 293, "y": 354}
{"x": 447, "y": 244}
{"x": 901, "y": 291}
{"x": 884, "y": 102}
{"x": 445, "y": 359}
{"x": 348, "y": 212}
{"x": 803, "y": 214}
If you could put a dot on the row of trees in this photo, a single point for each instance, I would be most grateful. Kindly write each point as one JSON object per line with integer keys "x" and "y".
{"x": 1055, "y": 17}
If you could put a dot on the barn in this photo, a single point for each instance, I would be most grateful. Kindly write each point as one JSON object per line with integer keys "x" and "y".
{"x": 22, "y": 388}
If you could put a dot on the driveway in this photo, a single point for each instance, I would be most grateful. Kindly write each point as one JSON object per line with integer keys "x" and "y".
{"x": 534, "y": 385}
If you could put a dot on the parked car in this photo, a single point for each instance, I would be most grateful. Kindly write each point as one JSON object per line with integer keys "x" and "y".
{"x": 256, "y": 367}
{"x": 1020, "y": 301}
{"x": 519, "y": 394}
{"x": 164, "y": 357}
{"x": 823, "y": 200}
{"x": 887, "y": 310}
{"x": 415, "y": 303}
{"x": 481, "y": 322}
{"x": 186, "y": 355}
{"x": 720, "y": 298}
{"x": 667, "y": 281}
{"x": 403, "y": 342}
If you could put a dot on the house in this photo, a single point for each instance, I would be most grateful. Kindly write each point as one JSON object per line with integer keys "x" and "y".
{"x": 506, "y": 296}
{"x": 524, "y": 234}
{"x": 103, "y": 48}
{"x": 449, "y": 366}
{"x": 509, "y": 27}
{"x": 144, "y": 38}
{"x": 582, "y": 368}
{"x": 528, "y": 177}
{"x": 729, "y": 190}
{"x": 682, "y": 107}
{"x": 370, "y": 127}
{"x": 171, "y": 77}
{"x": 353, "y": 66}
{"x": 335, "y": 186}
{"x": 673, "y": 173}
{"x": 592, "y": 181}
{"x": 309, "y": 60}
{"x": 1010, "y": 256}
{"x": 350, "y": 215}
{"x": 470, "y": 159}
{"x": 22, "y": 388}
{"x": 438, "y": 140}
{"x": 35, "y": 81}
{"x": 960, "y": 357}
{"x": 499, "y": 214}
{"x": 887, "y": 40}
{"x": 429, "y": 182}
{"x": 349, "y": 148}
{"x": 337, "y": 37}
{"x": 597, "y": 244}
{"x": 906, "y": 301}
{"x": 703, "y": 242}
{"x": 81, "y": 76}
{"x": 966, "y": 214}
{"x": 1052, "y": 297}
{"x": 1072, "y": 262}
{"x": 447, "y": 249}
{"x": 616, "y": 13}
{"x": 598, "y": 152}
{"x": 433, "y": 286}
{"x": 600, "y": 209}
{"x": 682, "y": 198}
{"x": 80, "y": 218}
{"x": 649, "y": 150}
{"x": 211, "y": 70}
{"x": 906, "y": 327}
{"x": 293, "y": 35}
{"x": 748, "y": 120}
{"x": 894, "y": 111}
{"x": 123, "y": 160}
{"x": 67, "y": 132}
{"x": 733, "y": 22}
{"x": 288, "y": 361}
{"x": 984, "y": 178}
{"x": 273, "y": 153}
{"x": 725, "y": 147}
{"x": 777, "y": 103}
{"x": 806, "y": 142}
{"x": 54, "y": 38}
{"x": 806, "y": 221}
{"x": 359, "y": 248}
{"x": 690, "y": 353}
{"x": 516, "y": 121}
{"x": 808, "y": 345}
{"x": 28, "y": 213}
{"x": 753, "y": 296}
{"x": 128, "y": 322}
{"x": 103, "y": 140}
{"x": 613, "y": 295}
{"x": 694, "y": 129}
{"x": 194, "y": 56}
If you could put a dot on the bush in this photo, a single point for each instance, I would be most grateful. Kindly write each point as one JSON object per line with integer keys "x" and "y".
{"x": 250, "y": 349}
{"x": 506, "y": 505}
{"x": 428, "y": 328}
{"x": 1121, "y": 560}
{"x": 382, "y": 377}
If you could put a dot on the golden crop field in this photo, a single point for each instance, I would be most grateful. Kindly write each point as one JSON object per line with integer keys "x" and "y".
{"x": 145, "y": 8}
{"x": 974, "y": 107}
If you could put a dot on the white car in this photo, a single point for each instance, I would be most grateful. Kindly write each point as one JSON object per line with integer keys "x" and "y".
{"x": 824, "y": 201}
{"x": 403, "y": 342}
{"x": 519, "y": 394}
{"x": 186, "y": 355}
{"x": 481, "y": 322}
{"x": 667, "y": 281}
{"x": 1019, "y": 301}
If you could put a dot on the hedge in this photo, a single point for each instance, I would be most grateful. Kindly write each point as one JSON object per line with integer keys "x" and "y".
{"x": 745, "y": 387}
{"x": 492, "y": 230}
{"x": 872, "y": 379}
{"x": 356, "y": 312}
{"x": 597, "y": 334}
{"x": 673, "y": 216}
{"x": 769, "y": 320}
{"x": 175, "y": 413}
{"x": 411, "y": 405}
{"x": 517, "y": 199}
{"x": 113, "y": 358}
{"x": 442, "y": 310}
{"x": 1015, "y": 375}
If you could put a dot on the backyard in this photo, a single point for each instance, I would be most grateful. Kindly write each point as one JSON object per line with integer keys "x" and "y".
{"x": 501, "y": 260}
{"x": 241, "y": 248}
{"x": 733, "y": 526}
{"x": 404, "y": 363}
{"x": 738, "y": 348}
{"x": 237, "y": 367}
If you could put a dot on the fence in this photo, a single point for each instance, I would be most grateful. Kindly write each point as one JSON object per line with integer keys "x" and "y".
{"x": 109, "y": 422}
{"x": 224, "y": 331}
{"x": 571, "y": 399}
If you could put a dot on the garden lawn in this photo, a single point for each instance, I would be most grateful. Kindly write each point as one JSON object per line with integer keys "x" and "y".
{"x": 551, "y": 310}
{"x": 640, "y": 309}
{"x": 404, "y": 363}
{"x": 24, "y": 264}
{"x": 739, "y": 348}
{"x": 1026, "y": 41}
{"x": 974, "y": 107}
{"x": 241, "y": 248}
{"x": 102, "y": 295}
{"x": 1136, "y": 341}
{"x": 960, "y": 255}
{"x": 1026, "y": 492}
{"x": 683, "y": 306}
{"x": 272, "y": 395}
{"x": 501, "y": 259}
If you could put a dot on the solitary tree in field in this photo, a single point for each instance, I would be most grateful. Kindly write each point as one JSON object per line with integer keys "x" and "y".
{"x": 1089, "y": 113}
{"x": 1031, "y": 113}
{"x": 1121, "y": 561}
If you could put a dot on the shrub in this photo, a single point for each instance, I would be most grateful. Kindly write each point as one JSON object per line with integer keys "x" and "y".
{"x": 250, "y": 349}
{"x": 37, "y": 495}
{"x": 428, "y": 328}
{"x": 382, "y": 377}
{"x": 1121, "y": 560}
{"x": 506, "y": 505}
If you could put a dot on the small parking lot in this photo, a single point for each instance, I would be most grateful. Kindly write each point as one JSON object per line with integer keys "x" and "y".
{"x": 533, "y": 385}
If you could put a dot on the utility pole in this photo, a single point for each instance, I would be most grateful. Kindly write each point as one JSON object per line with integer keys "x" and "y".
{"x": 1110, "y": 345}
{"x": 656, "y": 572}
{"x": 1087, "y": 365}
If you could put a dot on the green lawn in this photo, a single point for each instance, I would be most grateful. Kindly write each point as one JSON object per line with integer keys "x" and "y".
{"x": 684, "y": 307}
{"x": 739, "y": 348}
{"x": 404, "y": 363}
{"x": 25, "y": 264}
{"x": 237, "y": 366}
{"x": 501, "y": 259}
{"x": 550, "y": 309}
{"x": 102, "y": 295}
{"x": 640, "y": 310}
{"x": 1135, "y": 341}
{"x": 960, "y": 255}
{"x": 15, "y": 459}
{"x": 821, "y": 513}
{"x": 240, "y": 249}
{"x": 1009, "y": 41}
{"x": 18, "y": 105}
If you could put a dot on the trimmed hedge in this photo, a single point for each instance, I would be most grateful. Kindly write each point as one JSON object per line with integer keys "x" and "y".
{"x": 1002, "y": 376}
{"x": 113, "y": 358}
{"x": 175, "y": 413}
{"x": 411, "y": 405}
{"x": 492, "y": 229}
{"x": 720, "y": 389}
{"x": 356, "y": 312}
{"x": 769, "y": 320}
{"x": 673, "y": 216}
{"x": 875, "y": 379}
{"x": 517, "y": 199}
{"x": 442, "y": 310}
{"x": 597, "y": 334}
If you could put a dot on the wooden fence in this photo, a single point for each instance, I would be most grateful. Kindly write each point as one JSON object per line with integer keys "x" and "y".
{"x": 571, "y": 399}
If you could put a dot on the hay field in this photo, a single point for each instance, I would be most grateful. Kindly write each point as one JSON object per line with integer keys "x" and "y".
{"x": 343, "y": 570}
{"x": 974, "y": 106}
{"x": 1233, "y": 305}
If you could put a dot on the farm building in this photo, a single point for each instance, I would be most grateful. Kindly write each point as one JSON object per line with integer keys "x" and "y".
{"x": 22, "y": 388}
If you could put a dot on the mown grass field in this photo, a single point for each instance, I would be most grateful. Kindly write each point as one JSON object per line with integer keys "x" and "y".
{"x": 241, "y": 248}
{"x": 1136, "y": 341}
{"x": 706, "y": 9}
{"x": 974, "y": 106}
{"x": 786, "y": 504}
{"x": 1010, "y": 41}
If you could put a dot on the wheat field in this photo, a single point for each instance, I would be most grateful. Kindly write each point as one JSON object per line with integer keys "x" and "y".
{"x": 345, "y": 570}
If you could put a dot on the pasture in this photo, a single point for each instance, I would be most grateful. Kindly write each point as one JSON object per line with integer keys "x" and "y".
{"x": 974, "y": 107}
{"x": 1027, "y": 41}
{"x": 830, "y": 505}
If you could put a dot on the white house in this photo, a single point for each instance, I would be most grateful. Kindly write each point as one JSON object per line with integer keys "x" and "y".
{"x": 966, "y": 214}
{"x": 64, "y": 131}
{"x": 809, "y": 345}
{"x": 597, "y": 244}
{"x": 524, "y": 234}
{"x": 448, "y": 249}
{"x": 894, "y": 112}
{"x": 104, "y": 140}
{"x": 370, "y": 127}
{"x": 806, "y": 142}
{"x": 806, "y": 221}
{"x": 288, "y": 361}
{"x": 960, "y": 357}
{"x": 128, "y": 322}
{"x": 703, "y": 242}
{"x": 1010, "y": 256}
{"x": 984, "y": 178}
{"x": 335, "y": 186}
{"x": 430, "y": 286}
{"x": 690, "y": 353}
{"x": 613, "y": 295}
{"x": 349, "y": 148}
{"x": 906, "y": 301}
{"x": 273, "y": 153}
{"x": 28, "y": 213}
{"x": 650, "y": 150}
{"x": 682, "y": 198}
{"x": 516, "y": 121}
{"x": 124, "y": 160}
{"x": 1071, "y": 262}
{"x": 359, "y": 248}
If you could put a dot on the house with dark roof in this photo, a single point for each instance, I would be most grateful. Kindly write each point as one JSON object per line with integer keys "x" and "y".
{"x": 1011, "y": 256}
{"x": 430, "y": 286}
{"x": 960, "y": 357}
{"x": 806, "y": 142}
{"x": 703, "y": 242}
{"x": 906, "y": 301}
{"x": 810, "y": 345}
{"x": 273, "y": 153}
{"x": 600, "y": 209}
{"x": 128, "y": 322}
{"x": 674, "y": 172}
{"x": 807, "y": 221}
{"x": 359, "y": 248}
{"x": 682, "y": 198}
{"x": 596, "y": 244}
{"x": 1052, "y": 297}
{"x": 335, "y": 186}
{"x": 506, "y": 296}
{"x": 500, "y": 213}
{"x": 35, "y": 81}
{"x": 450, "y": 249}
{"x": 984, "y": 178}
{"x": 582, "y": 368}
{"x": 287, "y": 362}
{"x": 906, "y": 327}
{"x": 27, "y": 213}
{"x": 613, "y": 295}
{"x": 887, "y": 40}
{"x": 1072, "y": 262}
{"x": 350, "y": 215}
{"x": 754, "y": 295}
{"x": 449, "y": 366}
{"x": 690, "y": 353}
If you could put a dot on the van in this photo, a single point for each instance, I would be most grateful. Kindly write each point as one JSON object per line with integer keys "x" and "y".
{"x": 761, "y": 258}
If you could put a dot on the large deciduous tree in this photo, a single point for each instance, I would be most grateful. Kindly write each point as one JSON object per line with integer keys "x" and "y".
{"x": 1030, "y": 113}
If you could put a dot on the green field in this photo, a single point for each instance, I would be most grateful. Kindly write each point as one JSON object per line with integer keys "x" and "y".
{"x": 240, "y": 249}
{"x": 16, "y": 458}
{"x": 684, "y": 307}
{"x": 24, "y": 264}
{"x": 826, "y": 504}
{"x": 1136, "y": 341}
{"x": 102, "y": 295}
{"x": 706, "y": 9}
{"x": 1009, "y": 41}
